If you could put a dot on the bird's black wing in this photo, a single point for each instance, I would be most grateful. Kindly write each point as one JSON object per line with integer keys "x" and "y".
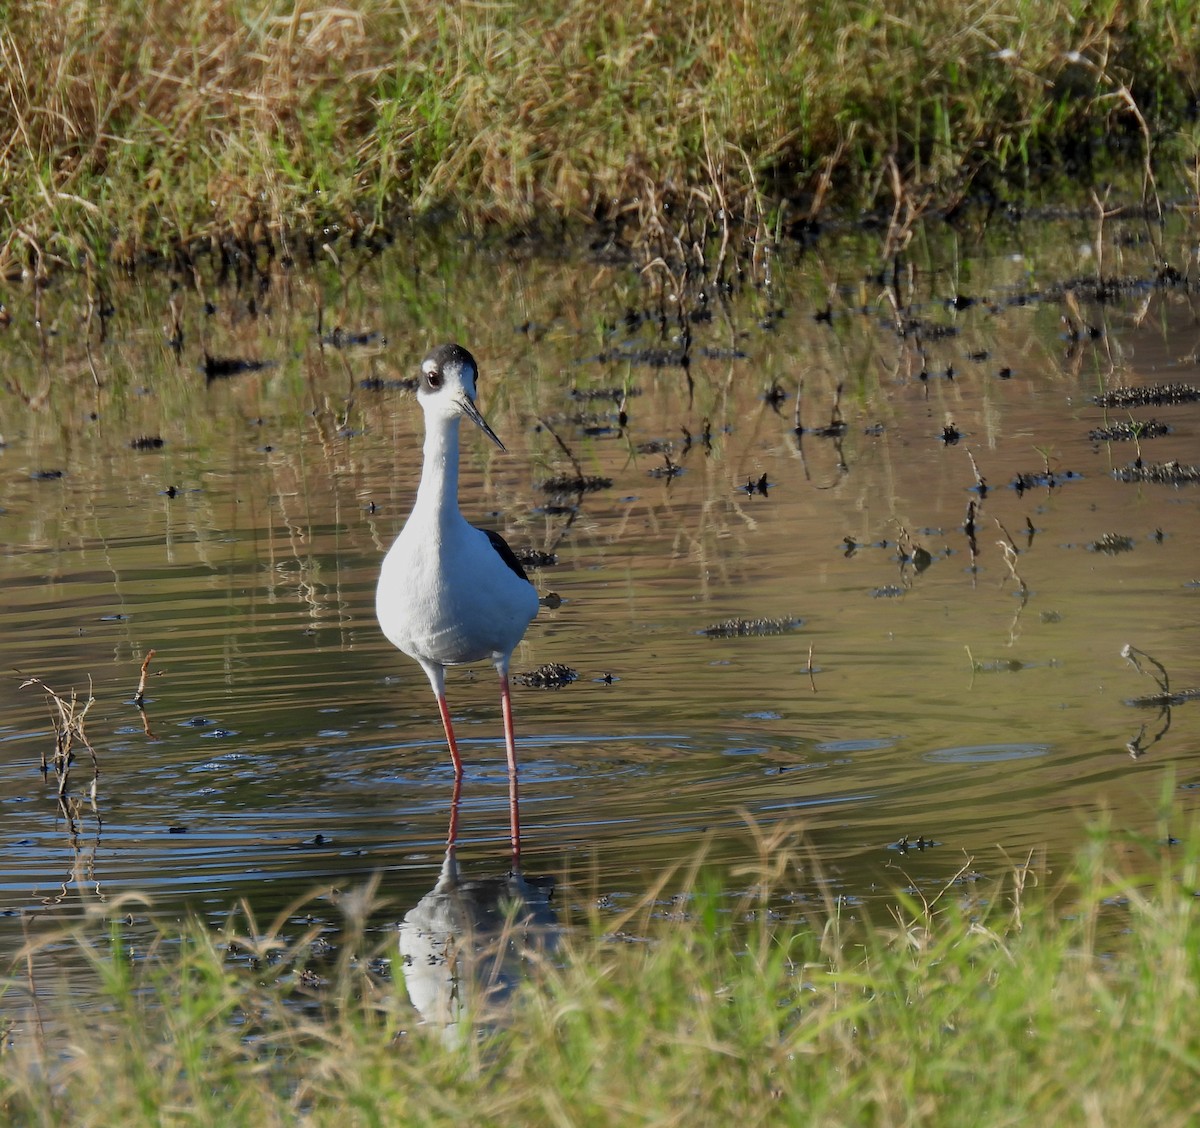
{"x": 506, "y": 553}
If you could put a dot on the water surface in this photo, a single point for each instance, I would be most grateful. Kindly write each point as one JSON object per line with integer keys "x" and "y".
{"x": 974, "y": 704}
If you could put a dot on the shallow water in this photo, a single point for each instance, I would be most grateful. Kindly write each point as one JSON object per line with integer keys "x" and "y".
{"x": 979, "y": 712}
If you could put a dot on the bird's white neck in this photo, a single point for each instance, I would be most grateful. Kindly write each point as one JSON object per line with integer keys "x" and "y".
{"x": 438, "y": 491}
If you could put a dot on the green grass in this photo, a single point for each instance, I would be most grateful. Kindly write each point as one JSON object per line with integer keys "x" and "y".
{"x": 137, "y": 128}
{"x": 997, "y": 1002}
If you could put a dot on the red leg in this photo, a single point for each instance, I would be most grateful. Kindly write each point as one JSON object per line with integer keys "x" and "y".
{"x": 444, "y": 709}
{"x": 510, "y": 744}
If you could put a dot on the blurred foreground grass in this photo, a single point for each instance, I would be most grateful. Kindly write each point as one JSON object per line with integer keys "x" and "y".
{"x": 1000, "y": 1001}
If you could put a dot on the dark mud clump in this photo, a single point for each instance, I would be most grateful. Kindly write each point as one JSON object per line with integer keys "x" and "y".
{"x": 745, "y": 628}
{"x": 146, "y": 442}
{"x": 1164, "y": 473}
{"x": 223, "y": 367}
{"x": 578, "y": 483}
{"x": 1156, "y": 395}
{"x": 553, "y": 675}
{"x": 535, "y": 558}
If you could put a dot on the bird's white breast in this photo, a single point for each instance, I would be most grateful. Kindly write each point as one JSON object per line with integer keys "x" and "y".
{"x": 448, "y": 597}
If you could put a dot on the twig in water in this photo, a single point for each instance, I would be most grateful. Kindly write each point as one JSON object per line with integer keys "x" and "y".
{"x": 810, "y": 670}
{"x": 563, "y": 446}
{"x": 1011, "y": 552}
{"x": 139, "y": 698}
{"x": 836, "y": 421}
{"x": 969, "y": 528}
{"x": 1131, "y": 654}
{"x": 70, "y": 727}
{"x": 1007, "y": 535}
{"x": 1139, "y": 746}
{"x": 980, "y": 480}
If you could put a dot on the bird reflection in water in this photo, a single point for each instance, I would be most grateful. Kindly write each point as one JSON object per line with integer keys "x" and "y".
{"x": 468, "y": 943}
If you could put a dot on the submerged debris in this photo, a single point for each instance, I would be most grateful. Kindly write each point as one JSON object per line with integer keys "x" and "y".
{"x": 742, "y": 628}
{"x": 1111, "y": 544}
{"x": 656, "y": 446}
{"x": 668, "y": 469}
{"x": 1166, "y": 473}
{"x": 1123, "y": 432}
{"x": 1154, "y": 395}
{"x": 553, "y": 675}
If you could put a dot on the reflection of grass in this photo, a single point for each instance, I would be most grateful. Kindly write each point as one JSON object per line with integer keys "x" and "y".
{"x": 994, "y": 1002}
{"x": 165, "y": 121}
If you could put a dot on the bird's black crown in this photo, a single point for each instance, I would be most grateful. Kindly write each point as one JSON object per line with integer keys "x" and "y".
{"x": 434, "y": 366}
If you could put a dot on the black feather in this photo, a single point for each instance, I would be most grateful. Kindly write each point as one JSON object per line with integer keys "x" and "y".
{"x": 506, "y": 553}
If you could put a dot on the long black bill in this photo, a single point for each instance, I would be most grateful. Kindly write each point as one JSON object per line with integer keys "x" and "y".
{"x": 472, "y": 413}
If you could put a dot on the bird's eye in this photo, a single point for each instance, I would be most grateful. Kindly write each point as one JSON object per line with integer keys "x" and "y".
{"x": 434, "y": 378}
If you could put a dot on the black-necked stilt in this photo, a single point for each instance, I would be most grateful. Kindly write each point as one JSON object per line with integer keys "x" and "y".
{"x": 450, "y": 593}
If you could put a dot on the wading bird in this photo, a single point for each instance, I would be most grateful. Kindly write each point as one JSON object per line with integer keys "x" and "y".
{"x": 448, "y": 592}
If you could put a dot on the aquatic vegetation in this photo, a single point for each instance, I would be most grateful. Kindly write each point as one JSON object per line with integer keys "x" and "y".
{"x": 552, "y": 675}
{"x": 1121, "y": 431}
{"x": 1153, "y": 395}
{"x": 1171, "y": 473}
{"x": 742, "y": 628}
